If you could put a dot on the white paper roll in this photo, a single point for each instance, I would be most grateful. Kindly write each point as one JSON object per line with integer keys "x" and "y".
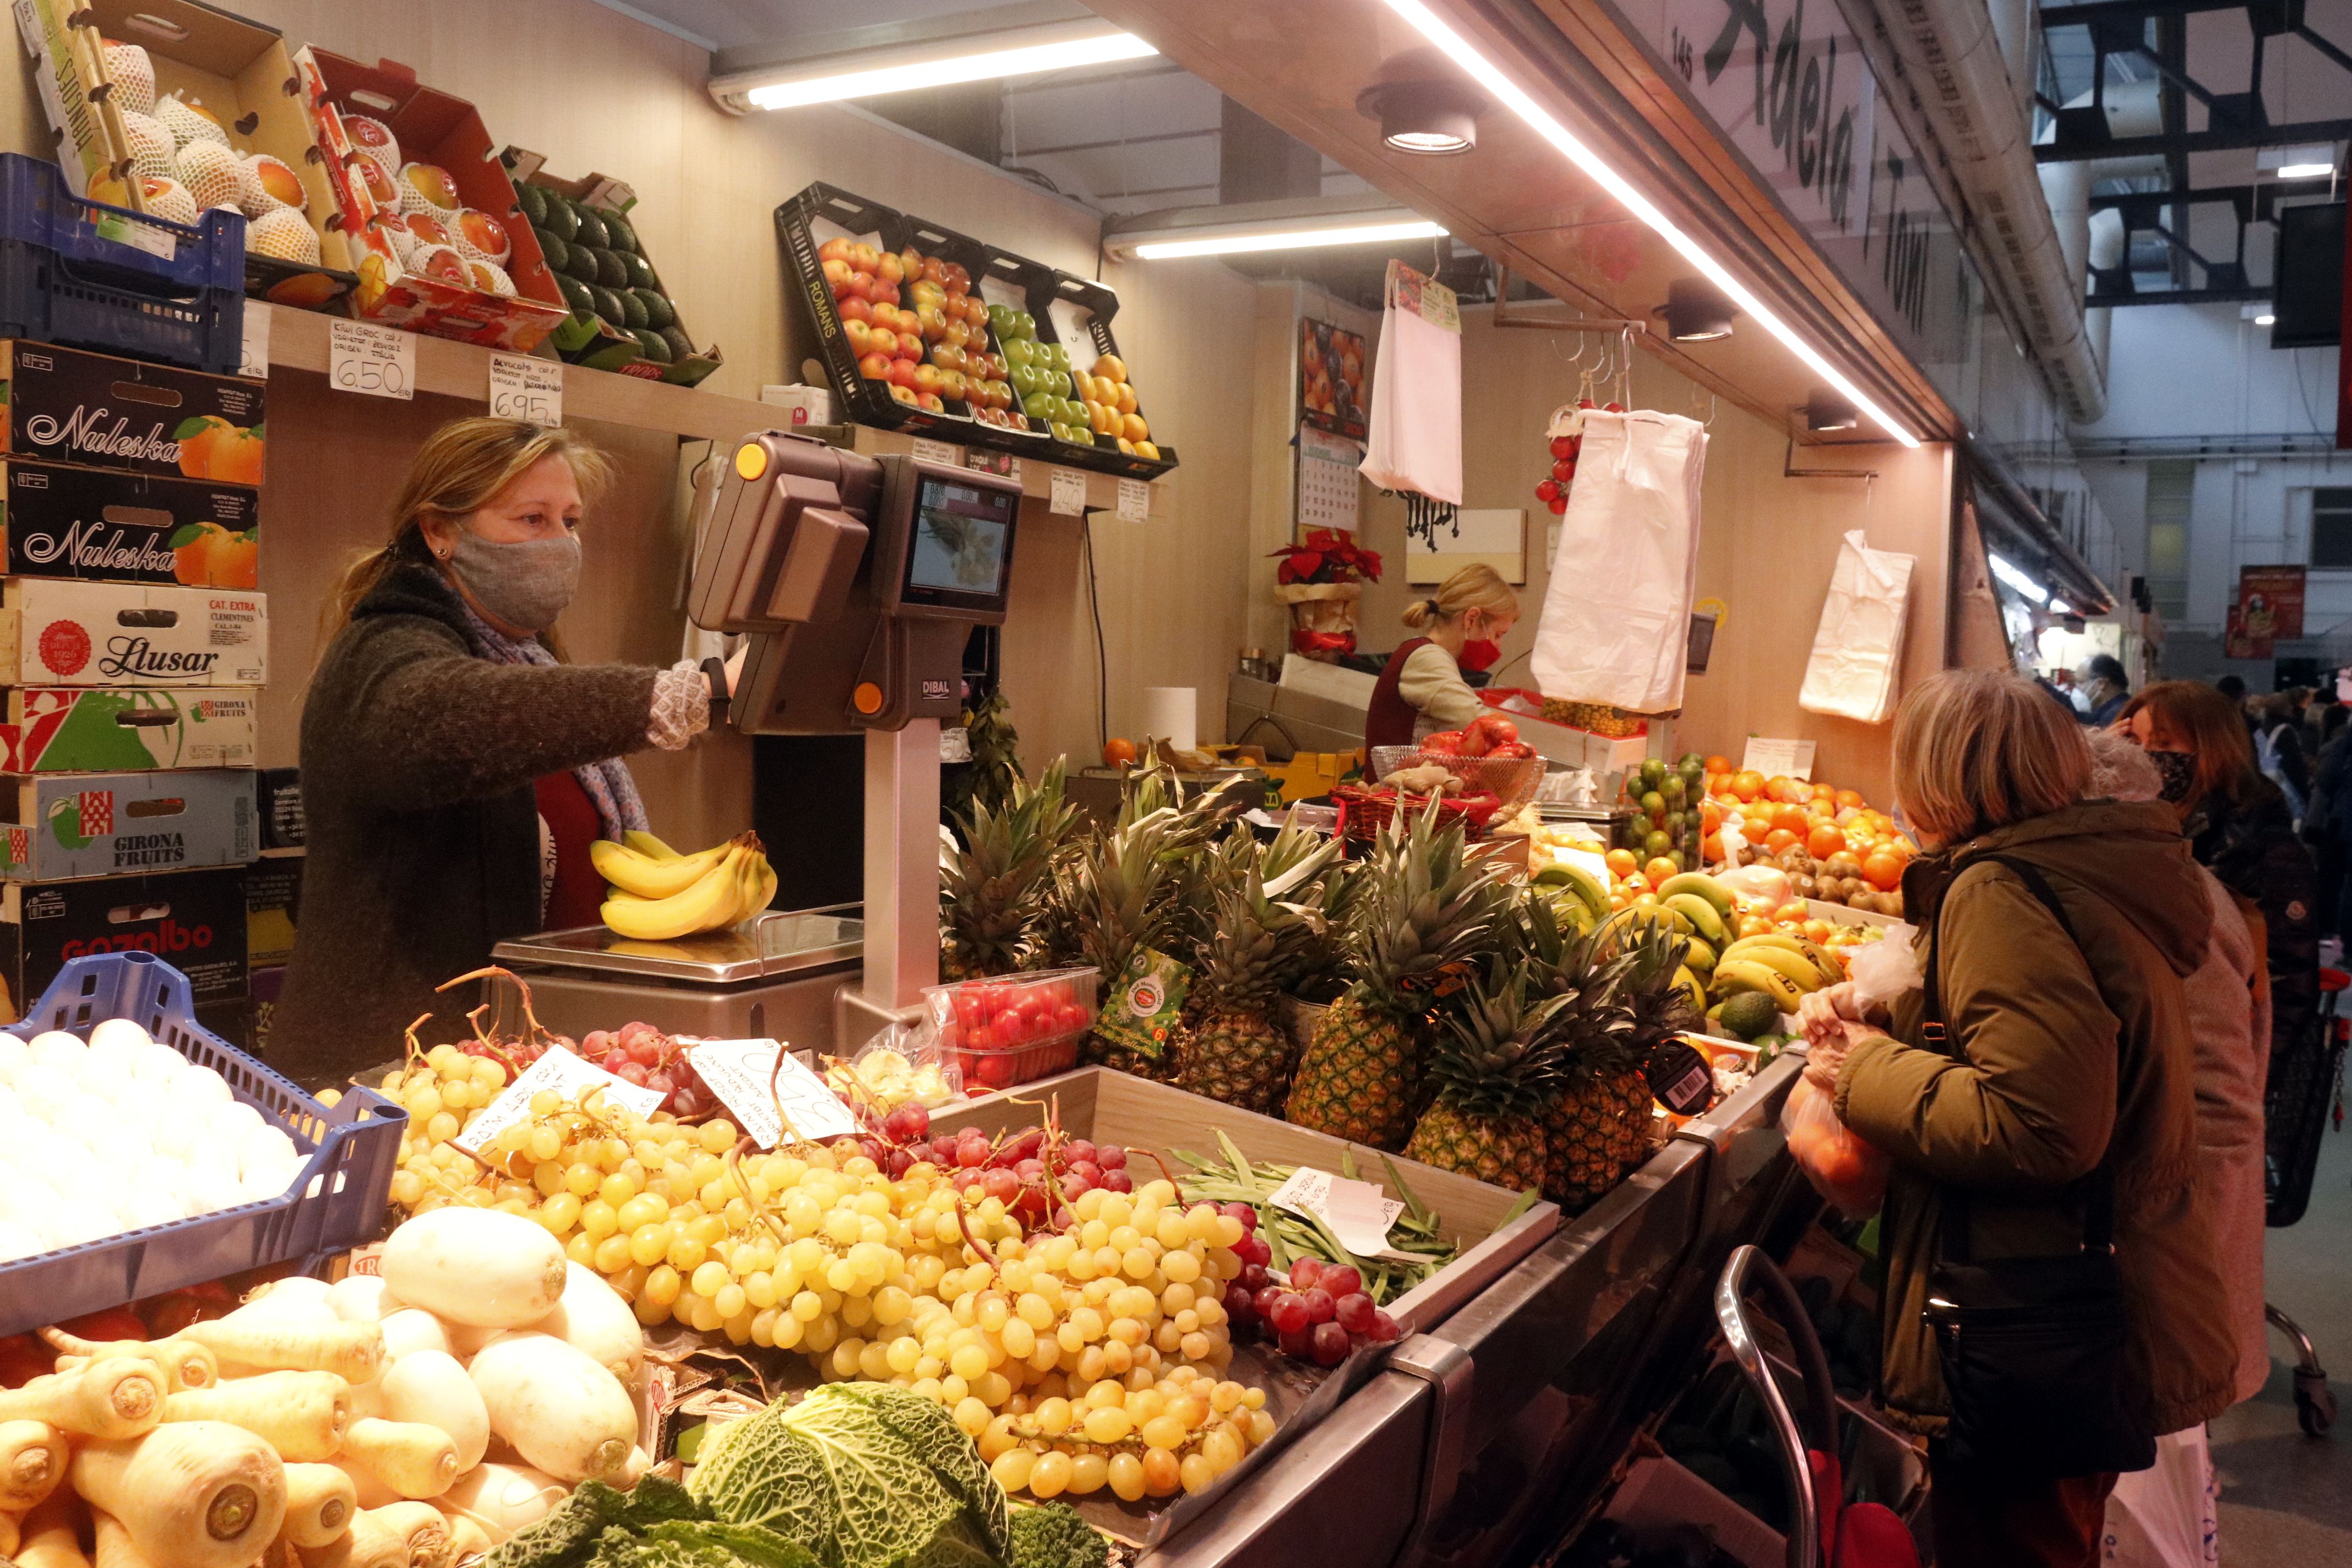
{"x": 1171, "y": 714}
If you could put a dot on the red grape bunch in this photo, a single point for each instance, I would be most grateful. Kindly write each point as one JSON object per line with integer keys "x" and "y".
{"x": 1320, "y": 1316}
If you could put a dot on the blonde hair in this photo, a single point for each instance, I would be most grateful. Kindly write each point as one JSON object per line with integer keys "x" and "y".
{"x": 460, "y": 468}
{"x": 1477, "y": 587}
{"x": 1979, "y": 749}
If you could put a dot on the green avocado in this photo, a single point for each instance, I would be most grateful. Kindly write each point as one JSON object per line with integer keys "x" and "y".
{"x": 581, "y": 263}
{"x": 558, "y": 253}
{"x": 633, "y": 310}
{"x": 658, "y": 313}
{"x": 561, "y": 221}
{"x": 608, "y": 305}
{"x": 623, "y": 236}
{"x": 641, "y": 271}
{"x": 592, "y": 228}
{"x": 577, "y": 295}
{"x": 532, "y": 199}
{"x": 1748, "y": 1014}
{"x": 658, "y": 347}
{"x": 613, "y": 273}
{"x": 681, "y": 347}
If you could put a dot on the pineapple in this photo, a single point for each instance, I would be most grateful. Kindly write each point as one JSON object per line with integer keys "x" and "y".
{"x": 1501, "y": 1069}
{"x": 1236, "y": 1049}
{"x": 1626, "y": 1001}
{"x": 991, "y": 890}
{"x": 1427, "y": 906}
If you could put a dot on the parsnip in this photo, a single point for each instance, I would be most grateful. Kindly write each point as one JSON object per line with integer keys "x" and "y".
{"x": 320, "y": 1502}
{"x": 362, "y": 1298}
{"x": 466, "y": 1538}
{"x": 113, "y": 1397}
{"x": 51, "y": 1534}
{"x": 304, "y": 1415}
{"x": 501, "y": 1498}
{"x": 413, "y": 1329}
{"x": 32, "y": 1463}
{"x": 184, "y": 1363}
{"x": 11, "y": 1537}
{"x": 431, "y": 1388}
{"x": 405, "y": 1535}
{"x": 370, "y": 1491}
{"x": 115, "y": 1548}
{"x": 193, "y": 1494}
{"x": 411, "y": 1457}
{"x": 353, "y": 1352}
{"x": 294, "y": 1288}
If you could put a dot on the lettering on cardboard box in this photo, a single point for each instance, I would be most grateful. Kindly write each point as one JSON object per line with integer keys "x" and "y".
{"x": 169, "y": 936}
{"x": 82, "y": 547}
{"x": 85, "y": 430}
{"x": 138, "y": 656}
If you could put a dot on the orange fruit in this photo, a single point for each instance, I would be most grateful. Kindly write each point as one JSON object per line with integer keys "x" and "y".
{"x": 1710, "y": 816}
{"x": 1118, "y": 752}
{"x": 237, "y": 454}
{"x": 192, "y": 563}
{"x": 1849, "y": 797}
{"x": 1748, "y": 783}
{"x": 1779, "y": 840}
{"x": 1823, "y": 841}
{"x": 1755, "y": 925}
{"x": 1822, "y": 792}
{"x": 1711, "y": 846}
{"x": 1719, "y": 764}
{"x": 1621, "y": 862}
{"x": 1882, "y": 870}
{"x": 1792, "y": 913}
{"x": 1792, "y": 820}
{"x": 1818, "y": 931}
{"x": 195, "y": 454}
{"x": 1658, "y": 870}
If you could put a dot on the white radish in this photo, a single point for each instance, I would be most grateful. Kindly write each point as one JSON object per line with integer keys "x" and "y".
{"x": 480, "y": 1267}
{"x": 196, "y": 1494}
{"x": 564, "y": 1412}
{"x": 593, "y": 1318}
{"x": 362, "y": 1298}
{"x": 293, "y": 1287}
{"x": 502, "y": 1498}
{"x": 465, "y": 1340}
{"x": 413, "y": 1329}
{"x": 430, "y": 1387}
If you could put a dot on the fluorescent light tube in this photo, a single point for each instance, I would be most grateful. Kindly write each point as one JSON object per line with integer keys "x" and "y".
{"x": 2264, "y": 320}
{"x": 1491, "y": 78}
{"x": 2025, "y": 586}
{"x": 1286, "y": 239}
{"x": 2305, "y": 171}
{"x": 1103, "y": 48}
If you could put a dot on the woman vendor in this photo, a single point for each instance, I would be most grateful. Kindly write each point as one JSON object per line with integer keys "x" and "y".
{"x": 1422, "y": 690}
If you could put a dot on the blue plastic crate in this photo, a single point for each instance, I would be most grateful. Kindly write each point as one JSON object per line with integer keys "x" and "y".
{"x": 77, "y": 272}
{"x": 339, "y": 1202}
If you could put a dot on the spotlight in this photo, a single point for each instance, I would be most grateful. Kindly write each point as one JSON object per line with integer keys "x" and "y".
{"x": 1827, "y": 410}
{"x": 1428, "y": 117}
{"x": 1696, "y": 311}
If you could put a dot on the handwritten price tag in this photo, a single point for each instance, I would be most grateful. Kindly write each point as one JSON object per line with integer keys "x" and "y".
{"x": 1788, "y": 759}
{"x": 1069, "y": 492}
{"x": 568, "y": 1075}
{"x": 738, "y": 1072}
{"x": 375, "y": 360}
{"x": 1357, "y": 1212}
{"x": 253, "y": 357}
{"x": 931, "y": 451}
{"x": 1134, "y": 501}
{"x": 526, "y": 388}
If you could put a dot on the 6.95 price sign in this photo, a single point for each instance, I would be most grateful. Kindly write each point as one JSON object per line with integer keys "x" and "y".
{"x": 376, "y": 362}
{"x": 526, "y": 388}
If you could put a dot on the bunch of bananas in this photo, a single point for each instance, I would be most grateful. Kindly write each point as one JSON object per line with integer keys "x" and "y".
{"x": 658, "y": 894}
{"x": 1780, "y": 965}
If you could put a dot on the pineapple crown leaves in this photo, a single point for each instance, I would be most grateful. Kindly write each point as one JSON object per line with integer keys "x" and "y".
{"x": 1257, "y": 941}
{"x": 994, "y": 884}
{"x": 1659, "y": 1008}
{"x": 1593, "y": 980}
{"x": 1430, "y": 905}
{"x": 1504, "y": 1053}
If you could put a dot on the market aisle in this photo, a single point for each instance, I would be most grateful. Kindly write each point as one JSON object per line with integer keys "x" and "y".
{"x": 2286, "y": 1498}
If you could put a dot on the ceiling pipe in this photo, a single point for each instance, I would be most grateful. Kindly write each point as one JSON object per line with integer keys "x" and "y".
{"x": 1950, "y": 50}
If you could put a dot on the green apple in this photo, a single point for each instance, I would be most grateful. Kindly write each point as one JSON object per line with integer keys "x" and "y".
{"x": 1038, "y": 405}
{"x": 1000, "y": 320}
{"x": 1061, "y": 355}
{"x": 1024, "y": 325}
{"x": 1019, "y": 351}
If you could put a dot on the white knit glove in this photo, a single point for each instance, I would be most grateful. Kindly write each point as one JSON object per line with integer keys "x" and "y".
{"x": 681, "y": 706}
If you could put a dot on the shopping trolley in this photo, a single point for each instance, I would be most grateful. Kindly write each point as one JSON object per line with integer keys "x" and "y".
{"x": 2301, "y": 1090}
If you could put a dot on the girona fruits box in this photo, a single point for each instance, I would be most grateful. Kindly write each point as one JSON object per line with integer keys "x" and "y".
{"x": 194, "y": 921}
{"x": 59, "y": 520}
{"x": 55, "y": 828}
{"x": 57, "y": 632}
{"x": 70, "y": 405}
{"x": 56, "y": 729}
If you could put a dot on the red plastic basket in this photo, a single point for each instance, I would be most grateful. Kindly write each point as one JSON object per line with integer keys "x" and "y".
{"x": 1363, "y": 814}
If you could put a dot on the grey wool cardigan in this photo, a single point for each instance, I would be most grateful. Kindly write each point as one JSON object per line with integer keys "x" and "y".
{"x": 417, "y": 766}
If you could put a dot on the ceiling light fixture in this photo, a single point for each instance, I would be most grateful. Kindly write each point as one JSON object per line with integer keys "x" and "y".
{"x": 931, "y": 63}
{"x": 1269, "y": 226}
{"x": 1827, "y": 410}
{"x": 2306, "y": 160}
{"x": 1490, "y": 78}
{"x": 2266, "y": 320}
{"x": 2307, "y": 171}
{"x": 1696, "y": 311}
{"x": 2016, "y": 582}
{"x": 1425, "y": 117}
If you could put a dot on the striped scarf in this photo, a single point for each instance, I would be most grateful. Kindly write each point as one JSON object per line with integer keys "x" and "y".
{"x": 608, "y": 783}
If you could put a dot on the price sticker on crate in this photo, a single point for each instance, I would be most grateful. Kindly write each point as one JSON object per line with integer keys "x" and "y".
{"x": 253, "y": 357}
{"x": 376, "y": 362}
{"x": 740, "y": 1072}
{"x": 930, "y": 451}
{"x": 570, "y": 1076}
{"x": 525, "y": 388}
{"x": 1069, "y": 492}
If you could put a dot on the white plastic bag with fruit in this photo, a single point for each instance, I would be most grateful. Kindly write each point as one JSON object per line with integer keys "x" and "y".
{"x": 899, "y": 1066}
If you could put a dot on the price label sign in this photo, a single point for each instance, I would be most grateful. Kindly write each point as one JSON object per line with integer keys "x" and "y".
{"x": 570, "y": 1076}
{"x": 376, "y": 362}
{"x": 1778, "y": 758}
{"x": 1069, "y": 492}
{"x": 522, "y": 388}
{"x": 739, "y": 1073}
{"x": 931, "y": 451}
{"x": 1134, "y": 501}
{"x": 1357, "y": 1212}
{"x": 253, "y": 355}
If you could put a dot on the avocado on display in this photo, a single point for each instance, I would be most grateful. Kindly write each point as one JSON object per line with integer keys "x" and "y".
{"x": 679, "y": 347}
{"x": 558, "y": 253}
{"x": 656, "y": 347}
{"x": 641, "y": 271}
{"x": 576, "y": 296}
{"x": 623, "y": 238}
{"x": 608, "y": 283}
{"x": 561, "y": 221}
{"x": 613, "y": 273}
{"x": 659, "y": 316}
{"x": 608, "y": 305}
{"x": 532, "y": 199}
{"x": 633, "y": 311}
{"x": 592, "y": 227}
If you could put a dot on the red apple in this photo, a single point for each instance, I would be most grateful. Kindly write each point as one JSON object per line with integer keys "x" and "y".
{"x": 836, "y": 250}
{"x": 905, "y": 395}
{"x": 910, "y": 348}
{"x": 957, "y": 278}
{"x": 912, "y": 260}
{"x": 837, "y": 273}
{"x": 955, "y": 386}
{"x": 861, "y": 337}
{"x": 935, "y": 322}
{"x": 865, "y": 257}
{"x": 923, "y": 291}
{"x": 935, "y": 270}
{"x": 902, "y": 373}
{"x": 975, "y": 311}
{"x": 890, "y": 267}
{"x": 946, "y": 356}
{"x": 926, "y": 379}
{"x": 930, "y": 400}
{"x": 859, "y": 287}
{"x": 959, "y": 333}
{"x": 885, "y": 291}
{"x": 875, "y": 367}
{"x": 856, "y": 310}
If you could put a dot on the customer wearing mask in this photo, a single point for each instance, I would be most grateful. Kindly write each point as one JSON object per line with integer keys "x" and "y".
{"x": 2063, "y": 1069}
{"x": 455, "y": 769}
{"x": 2239, "y": 828}
{"x": 1422, "y": 690}
{"x": 2103, "y": 688}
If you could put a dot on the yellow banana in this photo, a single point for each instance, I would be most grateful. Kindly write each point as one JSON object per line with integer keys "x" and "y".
{"x": 648, "y": 878}
{"x": 1700, "y": 956}
{"x": 1738, "y": 975}
{"x": 646, "y": 845}
{"x": 1691, "y": 988}
{"x": 1828, "y": 968}
{"x": 1572, "y": 911}
{"x": 1704, "y": 886}
{"x": 1798, "y": 968}
{"x": 764, "y": 885}
{"x": 1701, "y": 914}
{"x": 1587, "y": 887}
{"x": 708, "y": 904}
{"x": 1785, "y": 942}
{"x": 1648, "y": 915}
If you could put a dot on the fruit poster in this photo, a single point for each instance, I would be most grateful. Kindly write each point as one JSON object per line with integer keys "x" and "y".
{"x": 2270, "y": 603}
{"x": 1331, "y": 378}
{"x": 2237, "y": 642}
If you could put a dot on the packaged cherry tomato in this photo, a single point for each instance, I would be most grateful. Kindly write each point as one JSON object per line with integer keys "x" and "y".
{"x": 1009, "y": 1029}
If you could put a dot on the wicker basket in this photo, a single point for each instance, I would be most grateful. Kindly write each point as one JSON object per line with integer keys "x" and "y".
{"x": 1512, "y": 780}
{"x": 1363, "y": 814}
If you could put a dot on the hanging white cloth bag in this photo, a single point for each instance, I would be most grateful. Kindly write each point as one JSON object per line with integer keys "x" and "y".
{"x": 1616, "y": 617}
{"x": 1856, "y": 667}
{"x": 1415, "y": 436}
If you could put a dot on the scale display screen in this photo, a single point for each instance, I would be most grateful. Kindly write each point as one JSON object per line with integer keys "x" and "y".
{"x": 960, "y": 554}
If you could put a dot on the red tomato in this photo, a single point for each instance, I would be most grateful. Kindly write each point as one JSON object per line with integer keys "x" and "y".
{"x": 1074, "y": 1020}
{"x": 979, "y": 1039}
{"x": 1500, "y": 731}
{"x": 1512, "y": 749}
{"x": 1446, "y": 742}
{"x": 1476, "y": 741}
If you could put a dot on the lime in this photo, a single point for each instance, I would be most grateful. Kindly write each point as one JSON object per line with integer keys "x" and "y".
{"x": 1690, "y": 760}
{"x": 1677, "y": 791}
{"x": 1681, "y": 861}
{"x": 1674, "y": 826}
{"x": 1655, "y": 845}
{"x": 1653, "y": 772}
{"x": 1653, "y": 806}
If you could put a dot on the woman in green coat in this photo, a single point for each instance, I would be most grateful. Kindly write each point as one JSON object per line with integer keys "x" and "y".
{"x": 2056, "y": 1053}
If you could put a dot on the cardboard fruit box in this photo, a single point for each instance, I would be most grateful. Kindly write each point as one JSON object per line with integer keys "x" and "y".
{"x": 240, "y": 73}
{"x": 64, "y": 826}
{"x": 408, "y": 278}
{"x": 57, "y": 632}
{"x": 56, "y": 729}
{"x": 70, "y": 405}
{"x": 586, "y": 337}
{"x": 60, "y": 520}
{"x": 194, "y": 921}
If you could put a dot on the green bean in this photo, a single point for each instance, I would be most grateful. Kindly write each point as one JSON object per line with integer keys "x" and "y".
{"x": 1289, "y": 1236}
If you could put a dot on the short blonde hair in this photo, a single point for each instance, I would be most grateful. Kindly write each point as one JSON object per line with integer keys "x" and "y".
{"x": 1979, "y": 749}
{"x": 1476, "y": 587}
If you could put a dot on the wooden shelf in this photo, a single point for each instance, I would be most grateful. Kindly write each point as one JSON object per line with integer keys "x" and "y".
{"x": 298, "y": 340}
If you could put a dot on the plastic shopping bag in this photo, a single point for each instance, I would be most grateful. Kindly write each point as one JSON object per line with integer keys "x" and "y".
{"x": 2164, "y": 1516}
{"x": 1857, "y": 660}
{"x": 1844, "y": 1168}
{"x": 1414, "y": 439}
{"x": 1883, "y": 970}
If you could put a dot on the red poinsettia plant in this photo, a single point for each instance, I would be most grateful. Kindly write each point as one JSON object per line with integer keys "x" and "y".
{"x": 1327, "y": 555}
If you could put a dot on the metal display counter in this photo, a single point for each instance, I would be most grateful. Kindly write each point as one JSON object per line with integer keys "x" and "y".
{"x": 1488, "y": 1436}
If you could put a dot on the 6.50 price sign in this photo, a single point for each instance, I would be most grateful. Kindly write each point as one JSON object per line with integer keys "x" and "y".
{"x": 376, "y": 362}
{"x": 526, "y": 388}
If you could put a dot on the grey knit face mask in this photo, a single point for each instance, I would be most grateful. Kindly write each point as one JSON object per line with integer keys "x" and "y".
{"x": 525, "y": 585}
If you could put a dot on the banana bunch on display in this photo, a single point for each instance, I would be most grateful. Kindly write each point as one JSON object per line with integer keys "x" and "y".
{"x": 1779, "y": 965}
{"x": 658, "y": 894}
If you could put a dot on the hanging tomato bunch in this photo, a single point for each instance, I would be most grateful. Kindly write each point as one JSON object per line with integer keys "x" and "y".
{"x": 1566, "y": 438}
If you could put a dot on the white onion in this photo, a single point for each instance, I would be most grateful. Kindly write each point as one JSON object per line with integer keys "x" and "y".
{"x": 261, "y": 1148}
{"x": 112, "y": 1035}
{"x": 19, "y": 1241}
{"x": 231, "y": 1121}
{"x": 209, "y": 1192}
{"x": 157, "y": 1062}
{"x": 13, "y": 1054}
{"x": 58, "y": 1047}
{"x": 206, "y": 1085}
{"x": 43, "y": 1087}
